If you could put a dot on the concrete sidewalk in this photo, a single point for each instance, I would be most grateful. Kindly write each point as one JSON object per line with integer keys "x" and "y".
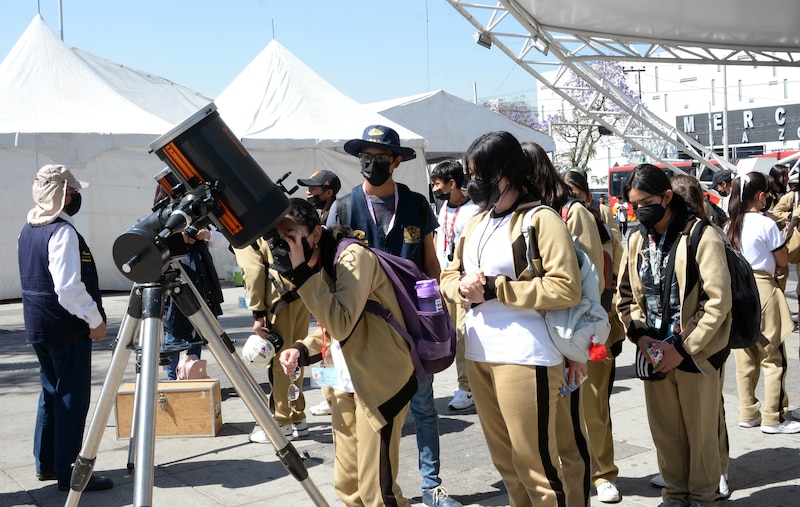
{"x": 228, "y": 470}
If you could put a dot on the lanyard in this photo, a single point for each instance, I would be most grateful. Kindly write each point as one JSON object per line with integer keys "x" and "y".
{"x": 656, "y": 254}
{"x": 372, "y": 210}
{"x": 448, "y": 230}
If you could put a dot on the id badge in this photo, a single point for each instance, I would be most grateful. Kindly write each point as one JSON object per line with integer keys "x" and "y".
{"x": 324, "y": 376}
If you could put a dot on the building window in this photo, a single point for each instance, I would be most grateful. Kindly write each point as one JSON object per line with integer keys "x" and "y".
{"x": 666, "y": 103}
{"x": 740, "y": 90}
{"x": 688, "y": 79}
{"x": 713, "y": 92}
{"x": 655, "y": 70}
{"x": 785, "y": 88}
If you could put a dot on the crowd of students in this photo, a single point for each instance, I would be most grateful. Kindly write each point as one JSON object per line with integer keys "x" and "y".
{"x": 549, "y": 449}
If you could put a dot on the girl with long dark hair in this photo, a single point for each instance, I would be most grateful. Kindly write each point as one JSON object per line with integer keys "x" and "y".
{"x": 514, "y": 368}
{"x": 760, "y": 241}
{"x": 373, "y": 370}
{"x": 677, "y": 311}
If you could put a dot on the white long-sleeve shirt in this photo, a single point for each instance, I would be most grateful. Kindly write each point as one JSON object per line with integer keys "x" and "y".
{"x": 64, "y": 257}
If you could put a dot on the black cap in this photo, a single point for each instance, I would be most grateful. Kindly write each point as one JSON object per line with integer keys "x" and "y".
{"x": 327, "y": 179}
{"x": 721, "y": 176}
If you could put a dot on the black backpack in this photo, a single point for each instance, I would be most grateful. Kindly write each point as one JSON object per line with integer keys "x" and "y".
{"x": 746, "y": 305}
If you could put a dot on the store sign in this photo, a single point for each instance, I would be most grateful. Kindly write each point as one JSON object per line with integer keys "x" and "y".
{"x": 745, "y": 126}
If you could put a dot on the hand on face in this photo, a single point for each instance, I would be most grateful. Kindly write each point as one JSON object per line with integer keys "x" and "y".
{"x": 302, "y": 243}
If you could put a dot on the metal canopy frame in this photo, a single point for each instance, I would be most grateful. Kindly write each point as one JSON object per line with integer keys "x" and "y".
{"x": 509, "y": 24}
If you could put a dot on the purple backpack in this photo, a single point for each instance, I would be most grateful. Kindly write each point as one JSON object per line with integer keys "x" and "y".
{"x": 431, "y": 336}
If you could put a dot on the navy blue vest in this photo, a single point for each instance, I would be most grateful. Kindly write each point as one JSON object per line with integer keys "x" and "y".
{"x": 413, "y": 221}
{"x": 46, "y": 321}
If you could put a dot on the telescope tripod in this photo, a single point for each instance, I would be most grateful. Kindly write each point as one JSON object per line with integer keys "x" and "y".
{"x": 146, "y": 306}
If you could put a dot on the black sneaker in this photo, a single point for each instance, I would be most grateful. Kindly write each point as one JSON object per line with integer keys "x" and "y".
{"x": 47, "y": 477}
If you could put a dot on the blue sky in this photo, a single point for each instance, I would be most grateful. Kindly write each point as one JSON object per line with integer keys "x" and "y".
{"x": 369, "y": 50}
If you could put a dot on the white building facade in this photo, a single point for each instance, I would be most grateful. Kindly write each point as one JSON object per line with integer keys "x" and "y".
{"x": 762, "y": 104}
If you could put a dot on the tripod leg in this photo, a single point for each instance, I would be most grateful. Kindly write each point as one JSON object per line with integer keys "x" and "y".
{"x": 132, "y": 440}
{"x": 195, "y": 309}
{"x": 151, "y": 337}
{"x": 84, "y": 463}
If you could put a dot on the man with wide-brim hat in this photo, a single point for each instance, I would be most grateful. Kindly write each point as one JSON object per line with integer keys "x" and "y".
{"x": 63, "y": 313}
{"x": 391, "y": 217}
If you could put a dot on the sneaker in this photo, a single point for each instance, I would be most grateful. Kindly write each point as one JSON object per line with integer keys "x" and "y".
{"x": 657, "y": 481}
{"x": 724, "y": 490}
{"x": 795, "y": 414}
{"x": 438, "y": 497}
{"x": 750, "y": 424}
{"x": 259, "y": 436}
{"x": 784, "y": 427}
{"x": 461, "y": 400}
{"x": 300, "y": 429}
{"x": 672, "y": 503}
{"x": 320, "y": 409}
{"x": 607, "y": 492}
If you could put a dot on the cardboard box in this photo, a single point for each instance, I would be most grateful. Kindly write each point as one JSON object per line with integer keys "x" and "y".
{"x": 183, "y": 408}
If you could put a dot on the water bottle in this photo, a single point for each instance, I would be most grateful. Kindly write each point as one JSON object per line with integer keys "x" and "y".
{"x": 428, "y": 297}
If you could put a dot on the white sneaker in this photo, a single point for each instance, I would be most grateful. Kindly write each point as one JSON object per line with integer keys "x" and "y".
{"x": 320, "y": 409}
{"x": 657, "y": 481}
{"x": 607, "y": 492}
{"x": 750, "y": 424}
{"x": 259, "y": 436}
{"x": 300, "y": 429}
{"x": 461, "y": 400}
{"x": 784, "y": 428}
{"x": 795, "y": 414}
{"x": 724, "y": 490}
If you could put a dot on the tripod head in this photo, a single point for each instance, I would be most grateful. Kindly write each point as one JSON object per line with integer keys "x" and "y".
{"x": 210, "y": 178}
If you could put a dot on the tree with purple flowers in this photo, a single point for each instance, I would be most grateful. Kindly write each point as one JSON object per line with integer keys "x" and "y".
{"x": 573, "y": 131}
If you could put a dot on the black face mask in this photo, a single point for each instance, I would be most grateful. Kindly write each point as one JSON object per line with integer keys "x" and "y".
{"x": 376, "y": 173}
{"x": 650, "y": 215}
{"x": 74, "y": 206}
{"x": 307, "y": 250}
{"x": 483, "y": 194}
{"x": 316, "y": 202}
{"x": 441, "y": 195}
{"x": 723, "y": 193}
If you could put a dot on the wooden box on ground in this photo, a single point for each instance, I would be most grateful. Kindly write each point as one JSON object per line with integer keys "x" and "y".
{"x": 183, "y": 408}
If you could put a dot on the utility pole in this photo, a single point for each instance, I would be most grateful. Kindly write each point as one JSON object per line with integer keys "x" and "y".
{"x": 638, "y": 78}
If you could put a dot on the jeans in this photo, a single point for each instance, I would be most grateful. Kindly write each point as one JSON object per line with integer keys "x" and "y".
{"x": 65, "y": 371}
{"x": 426, "y": 421}
{"x": 174, "y": 359}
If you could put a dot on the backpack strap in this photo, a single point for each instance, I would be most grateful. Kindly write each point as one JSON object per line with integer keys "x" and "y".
{"x": 532, "y": 250}
{"x": 693, "y": 270}
{"x": 375, "y": 307}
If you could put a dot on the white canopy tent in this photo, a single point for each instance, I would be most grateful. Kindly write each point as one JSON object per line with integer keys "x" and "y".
{"x": 721, "y": 32}
{"x": 62, "y": 105}
{"x": 291, "y": 119}
{"x": 450, "y": 124}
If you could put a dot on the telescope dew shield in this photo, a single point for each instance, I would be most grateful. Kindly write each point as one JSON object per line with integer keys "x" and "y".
{"x": 203, "y": 149}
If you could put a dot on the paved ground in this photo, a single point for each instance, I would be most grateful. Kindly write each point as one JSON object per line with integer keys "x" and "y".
{"x": 227, "y": 470}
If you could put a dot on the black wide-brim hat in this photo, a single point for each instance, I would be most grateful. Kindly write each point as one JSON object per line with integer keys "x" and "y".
{"x": 381, "y": 137}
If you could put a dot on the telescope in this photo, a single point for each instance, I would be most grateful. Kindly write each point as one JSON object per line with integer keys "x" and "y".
{"x": 210, "y": 178}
